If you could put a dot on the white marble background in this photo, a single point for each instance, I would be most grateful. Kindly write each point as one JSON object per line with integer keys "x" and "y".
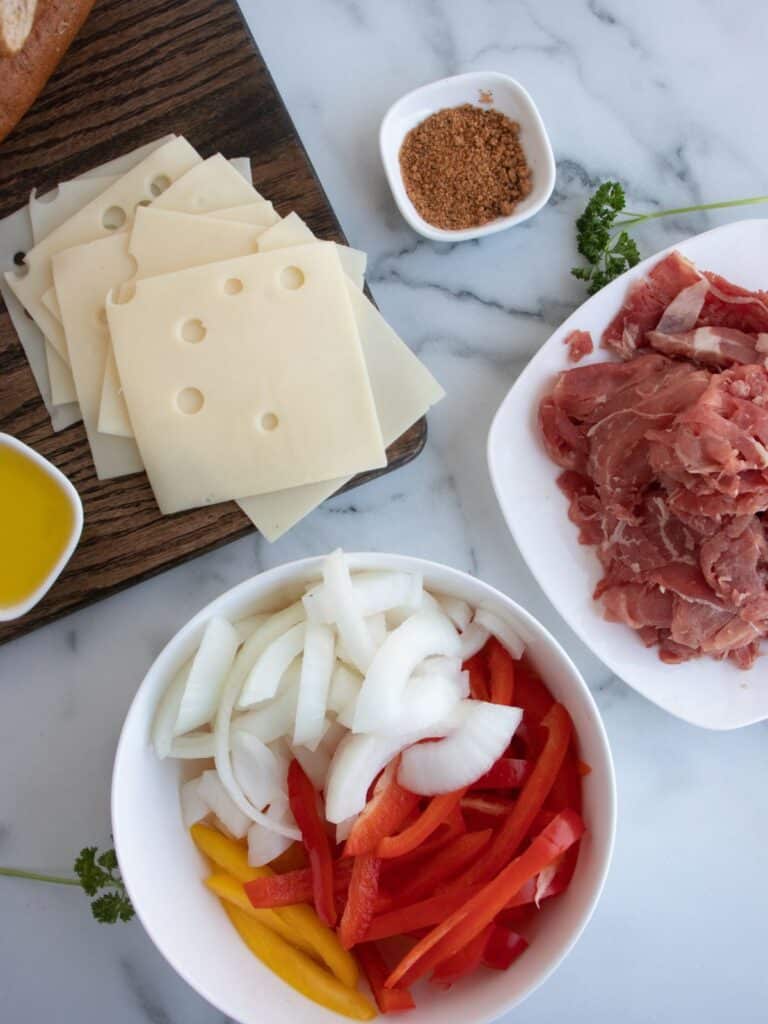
{"x": 669, "y": 97}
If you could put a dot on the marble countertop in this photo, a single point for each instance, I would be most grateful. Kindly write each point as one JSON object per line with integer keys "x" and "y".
{"x": 665, "y": 97}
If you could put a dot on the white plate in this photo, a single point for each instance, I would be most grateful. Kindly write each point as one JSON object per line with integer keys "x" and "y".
{"x": 511, "y": 99}
{"x": 712, "y": 694}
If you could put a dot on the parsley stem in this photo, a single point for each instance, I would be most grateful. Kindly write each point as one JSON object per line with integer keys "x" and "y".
{"x": 35, "y": 877}
{"x": 637, "y": 218}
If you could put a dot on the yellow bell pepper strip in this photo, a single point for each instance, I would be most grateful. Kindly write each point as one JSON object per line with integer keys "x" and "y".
{"x": 296, "y": 968}
{"x": 232, "y": 858}
{"x": 229, "y": 890}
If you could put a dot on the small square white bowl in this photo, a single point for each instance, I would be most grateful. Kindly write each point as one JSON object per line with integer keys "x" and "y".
{"x": 8, "y": 614}
{"x": 510, "y": 98}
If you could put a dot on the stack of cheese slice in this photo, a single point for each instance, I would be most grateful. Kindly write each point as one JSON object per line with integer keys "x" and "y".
{"x": 223, "y": 349}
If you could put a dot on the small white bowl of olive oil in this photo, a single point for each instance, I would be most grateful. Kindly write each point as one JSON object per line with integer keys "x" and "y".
{"x": 41, "y": 519}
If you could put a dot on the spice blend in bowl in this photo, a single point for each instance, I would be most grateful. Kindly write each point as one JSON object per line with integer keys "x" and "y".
{"x": 464, "y": 166}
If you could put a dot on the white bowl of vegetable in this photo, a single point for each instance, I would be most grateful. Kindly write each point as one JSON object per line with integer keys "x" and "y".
{"x": 285, "y": 723}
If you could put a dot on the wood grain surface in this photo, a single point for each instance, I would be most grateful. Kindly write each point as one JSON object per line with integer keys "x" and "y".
{"x": 138, "y": 70}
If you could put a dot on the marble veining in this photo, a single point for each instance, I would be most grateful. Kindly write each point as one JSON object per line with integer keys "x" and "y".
{"x": 666, "y": 98}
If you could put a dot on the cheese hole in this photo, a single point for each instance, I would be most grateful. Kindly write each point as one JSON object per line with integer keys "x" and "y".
{"x": 232, "y": 286}
{"x": 19, "y": 257}
{"x": 269, "y": 421}
{"x": 113, "y": 218}
{"x": 193, "y": 331}
{"x": 144, "y": 202}
{"x": 101, "y": 316}
{"x": 189, "y": 401}
{"x": 159, "y": 184}
{"x": 291, "y": 278}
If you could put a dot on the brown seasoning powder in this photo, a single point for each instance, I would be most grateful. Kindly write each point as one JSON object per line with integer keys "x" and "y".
{"x": 464, "y": 166}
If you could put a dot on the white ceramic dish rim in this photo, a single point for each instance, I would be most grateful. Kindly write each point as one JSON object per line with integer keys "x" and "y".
{"x": 513, "y": 430}
{"x": 8, "y": 614}
{"x": 178, "y": 649}
{"x": 394, "y": 177}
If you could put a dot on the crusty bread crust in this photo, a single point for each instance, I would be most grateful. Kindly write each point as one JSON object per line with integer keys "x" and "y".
{"x": 23, "y": 76}
{"x": 16, "y": 20}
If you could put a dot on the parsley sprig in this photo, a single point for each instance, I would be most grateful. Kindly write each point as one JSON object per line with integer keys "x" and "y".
{"x": 605, "y": 243}
{"x": 99, "y": 877}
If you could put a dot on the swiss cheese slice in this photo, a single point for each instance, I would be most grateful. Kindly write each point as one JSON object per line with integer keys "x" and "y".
{"x": 104, "y": 215}
{"x": 163, "y": 241}
{"x": 49, "y": 211}
{"x": 213, "y": 185}
{"x": 83, "y": 275}
{"x": 15, "y": 237}
{"x": 403, "y": 390}
{"x": 246, "y": 376}
{"x": 261, "y": 212}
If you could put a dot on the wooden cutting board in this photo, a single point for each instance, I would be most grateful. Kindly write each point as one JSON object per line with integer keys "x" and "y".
{"x": 139, "y": 70}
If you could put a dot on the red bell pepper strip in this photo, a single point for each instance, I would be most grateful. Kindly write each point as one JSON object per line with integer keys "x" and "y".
{"x": 435, "y": 813}
{"x": 305, "y": 805}
{"x": 361, "y": 900}
{"x": 529, "y": 740}
{"x": 485, "y": 810}
{"x": 446, "y": 863}
{"x": 295, "y": 886}
{"x": 502, "y": 669}
{"x": 424, "y": 914}
{"x": 463, "y": 962}
{"x": 478, "y": 912}
{"x": 384, "y": 813}
{"x": 388, "y": 1000}
{"x": 530, "y": 693}
{"x": 400, "y": 870}
{"x": 507, "y": 840}
{"x": 503, "y": 947}
{"x": 506, "y": 773}
{"x": 479, "y": 678}
{"x": 583, "y": 768}
{"x": 566, "y": 789}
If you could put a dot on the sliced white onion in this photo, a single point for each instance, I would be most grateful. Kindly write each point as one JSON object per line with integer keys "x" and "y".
{"x": 193, "y": 807}
{"x": 465, "y": 755}
{"x": 358, "y": 760}
{"x": 168, "y": 711}
{"x": 473, "y": 639}
{"x": 424, "y": 634}
{"x": 375, "y": 592}
{"x": 264, "y": 845}
{"x": 280, "y": 811}
{"x": 458, "y": 611}
{"x": 346, "y": 716}
{"x": 247, "y": 627}
{"x": 356, "y": 763}
{"x": 264, "y": 678}
{"x": 194, "y": 746}
{"x": 223, "y": 759}
{"x": 333, "y": 736}
{"x": 273, "y": 627}
{"x": 212, "y": 792}
{"x": 426, "y": 701}
{"x": 272, "y": 720}
{"x": 502, "y": 630}
{"x": 210, "y": 666}
{"x": 346, "y": 611}
{"x": 315, "y": 763}
{"x": 377, "y": 628}
{"x": 345, "y": 686}
{"x": 344, "y": 828}
{"x": 256, "y": 769}
{"x": 316, "y": 669}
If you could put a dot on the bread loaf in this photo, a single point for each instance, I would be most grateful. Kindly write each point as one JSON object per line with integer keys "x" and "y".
{"x": 16, "y": 18}
{"x": 23, "y": 75}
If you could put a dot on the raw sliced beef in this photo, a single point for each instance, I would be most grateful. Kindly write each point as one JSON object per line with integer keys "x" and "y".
{"x": 665, "y": 459}
{"x": 579, "y": 345}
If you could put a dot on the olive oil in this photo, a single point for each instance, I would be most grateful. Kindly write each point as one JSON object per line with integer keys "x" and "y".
{"x": 36, "y": 525}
